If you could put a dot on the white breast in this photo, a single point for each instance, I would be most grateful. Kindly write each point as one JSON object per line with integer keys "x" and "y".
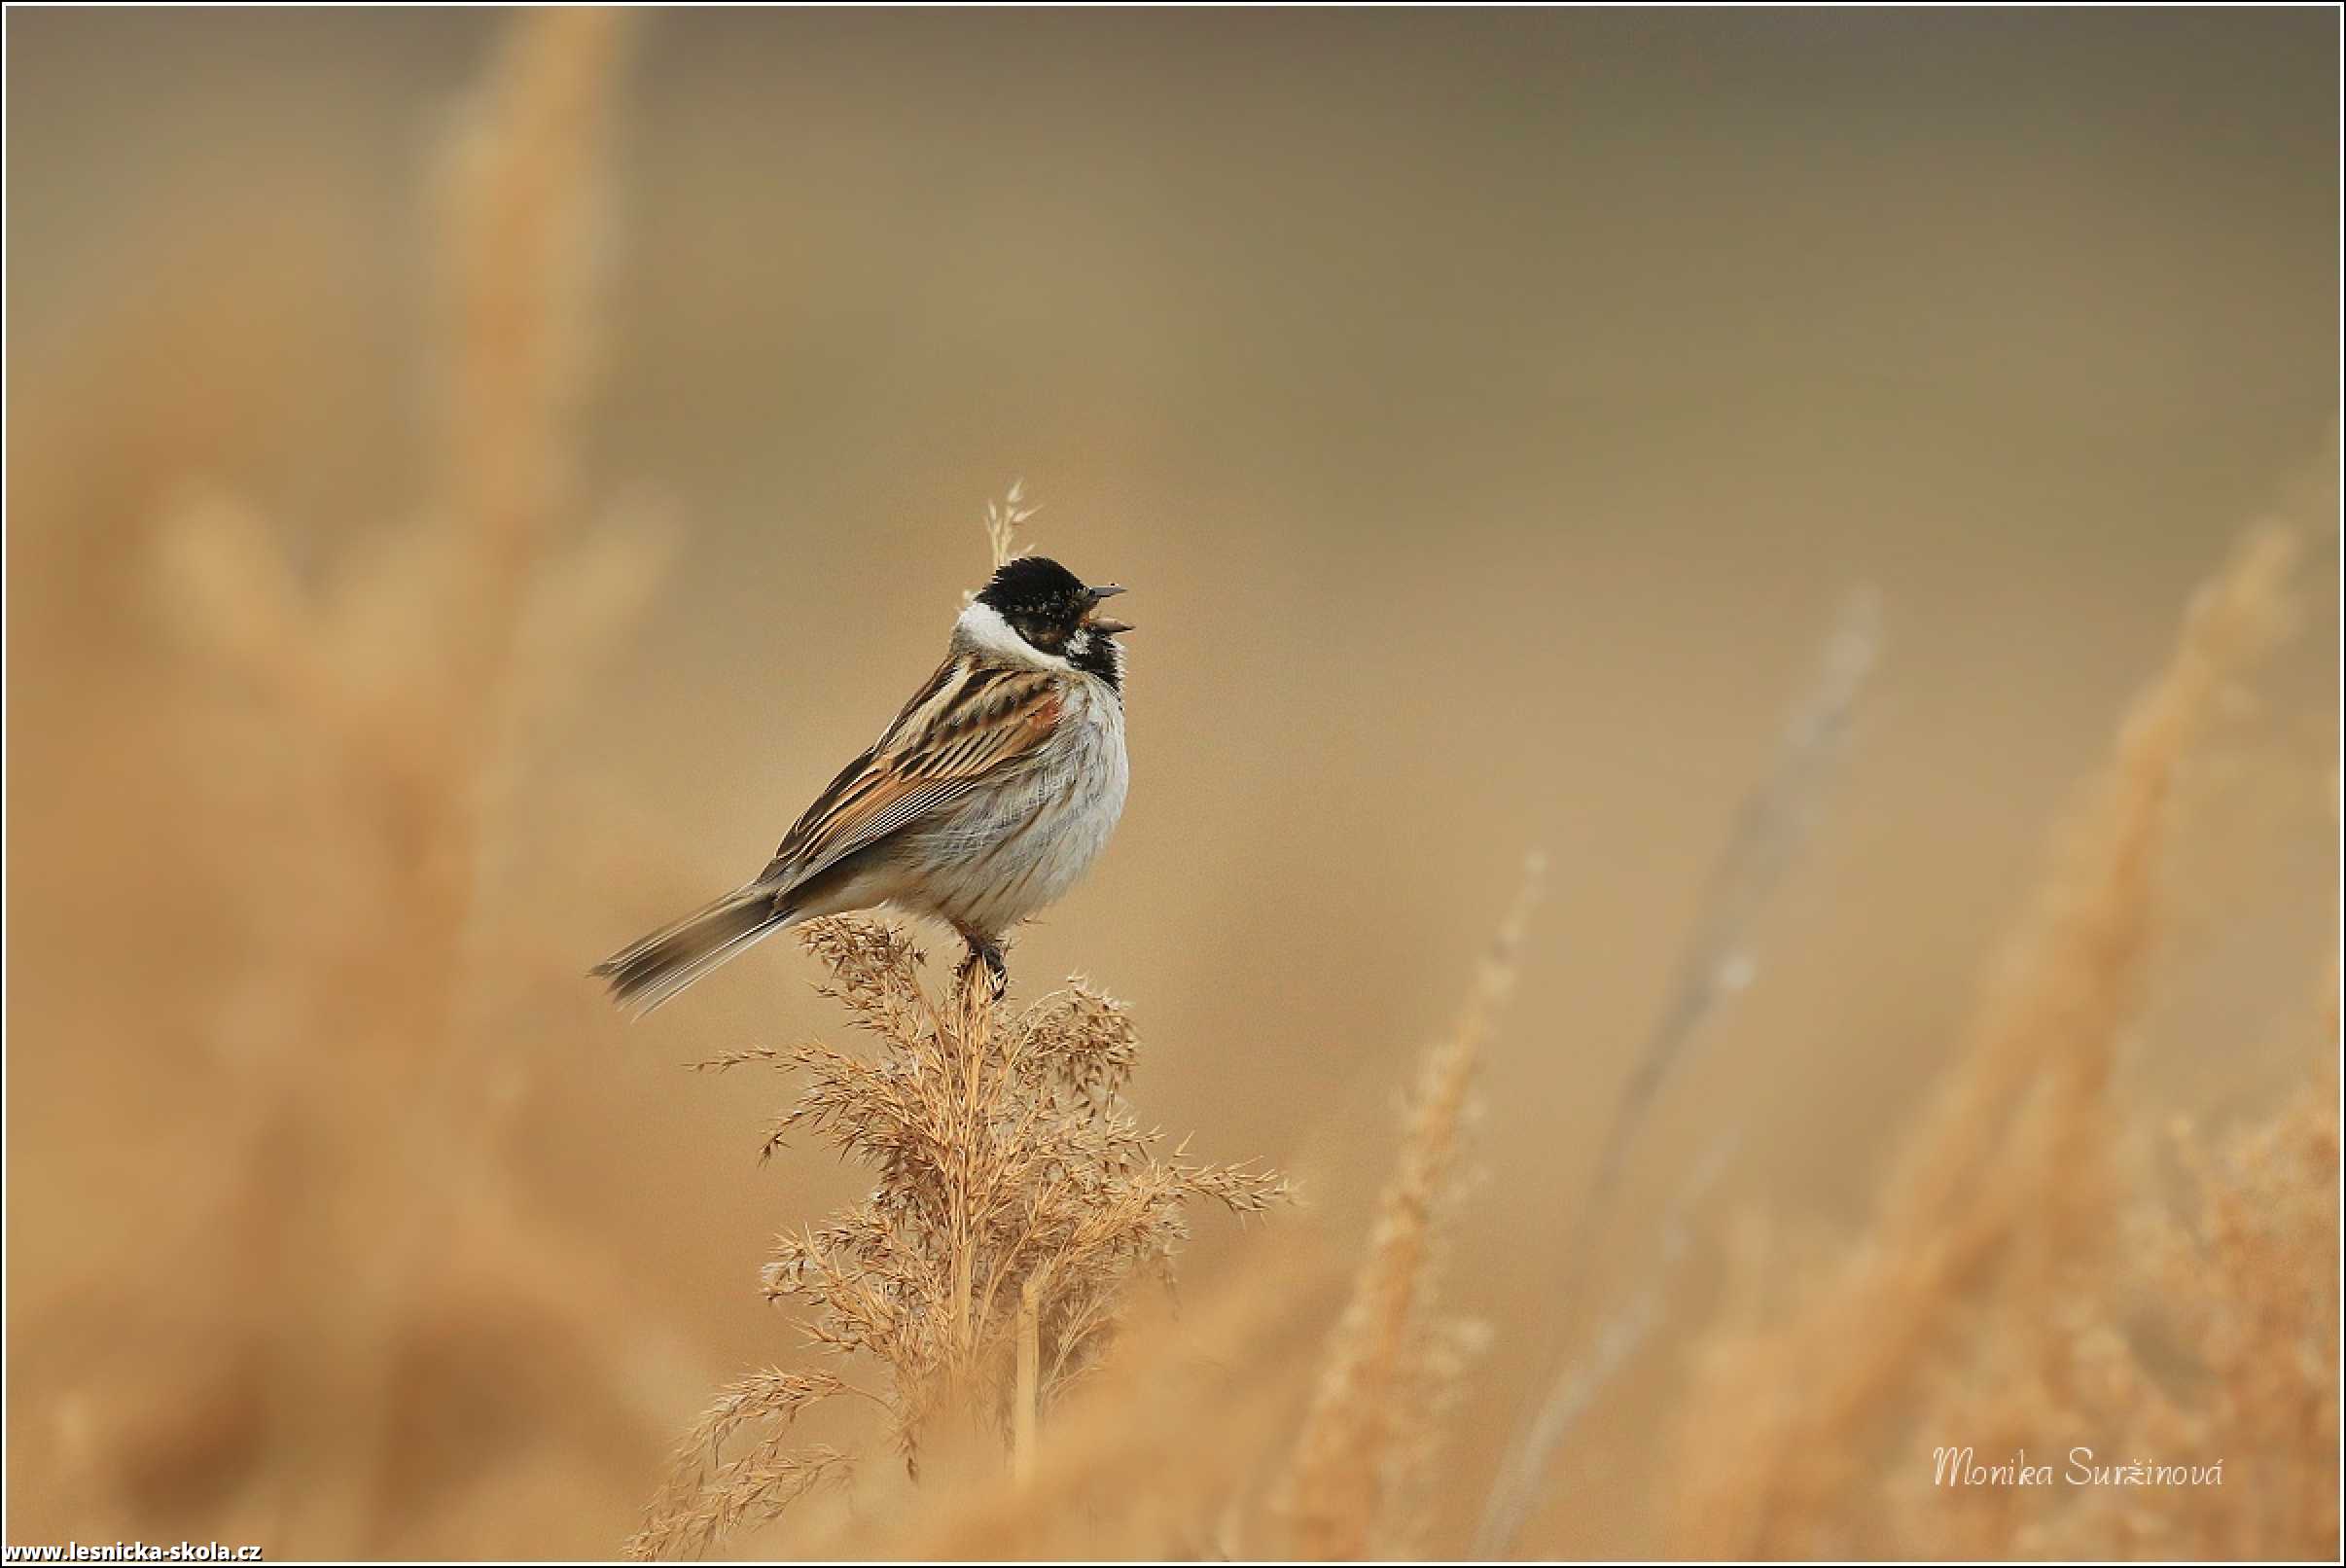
{"x": 1005, "y": 851}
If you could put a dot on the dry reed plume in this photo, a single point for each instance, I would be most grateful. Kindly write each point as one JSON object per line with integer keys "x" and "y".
{"x": 1199, "y": 1437}
{"x": 1016, "y": 1203}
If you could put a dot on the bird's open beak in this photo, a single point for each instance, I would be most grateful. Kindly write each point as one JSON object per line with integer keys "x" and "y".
{"x": 1099, "y": 623}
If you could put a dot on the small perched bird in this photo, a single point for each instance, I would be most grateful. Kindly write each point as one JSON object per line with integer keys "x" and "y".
{"x": 984, "y": 800}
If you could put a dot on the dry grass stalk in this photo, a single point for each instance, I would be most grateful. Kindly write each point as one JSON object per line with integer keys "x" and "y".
{"x": 1392, "y": 1359}
{"x": 1717, "y": 961}
{"x": 1771, "y": 827}
{"x": 1004, "y": 519}
{"x": 1026, "y": 1391}
{"x": 1016, "y": 1202}
{"x": 2010, "y": 1164}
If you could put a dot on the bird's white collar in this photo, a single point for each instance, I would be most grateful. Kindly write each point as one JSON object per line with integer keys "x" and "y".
{"x": 981, "y": 627}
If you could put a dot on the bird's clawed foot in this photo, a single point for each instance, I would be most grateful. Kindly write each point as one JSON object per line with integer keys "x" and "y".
{"x": 984, "y": 950}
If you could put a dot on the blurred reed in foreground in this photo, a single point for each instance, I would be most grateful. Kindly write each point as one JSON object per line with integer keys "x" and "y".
{"x": 1991, "y": 1303}
{"x": 353, "y": 1276}
{"x": 1356, "y": 1482}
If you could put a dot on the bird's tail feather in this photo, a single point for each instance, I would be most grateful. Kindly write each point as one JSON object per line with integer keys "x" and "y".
{"x": 647, "y": 972}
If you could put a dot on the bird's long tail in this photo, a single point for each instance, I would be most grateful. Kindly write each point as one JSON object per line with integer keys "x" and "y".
{"x": 647, "y": 973}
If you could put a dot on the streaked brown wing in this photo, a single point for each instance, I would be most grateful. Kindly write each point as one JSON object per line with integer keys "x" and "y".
{"x": 969, "y": 724}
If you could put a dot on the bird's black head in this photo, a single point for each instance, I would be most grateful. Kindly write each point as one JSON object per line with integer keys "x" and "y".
{"x": 1055, "y": 612}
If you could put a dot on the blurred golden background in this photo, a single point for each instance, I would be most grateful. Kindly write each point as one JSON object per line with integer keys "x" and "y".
{"x": 1488, "y": 412}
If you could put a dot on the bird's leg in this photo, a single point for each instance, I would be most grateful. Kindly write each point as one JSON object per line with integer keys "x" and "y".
{"x": 984, "y": 949}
